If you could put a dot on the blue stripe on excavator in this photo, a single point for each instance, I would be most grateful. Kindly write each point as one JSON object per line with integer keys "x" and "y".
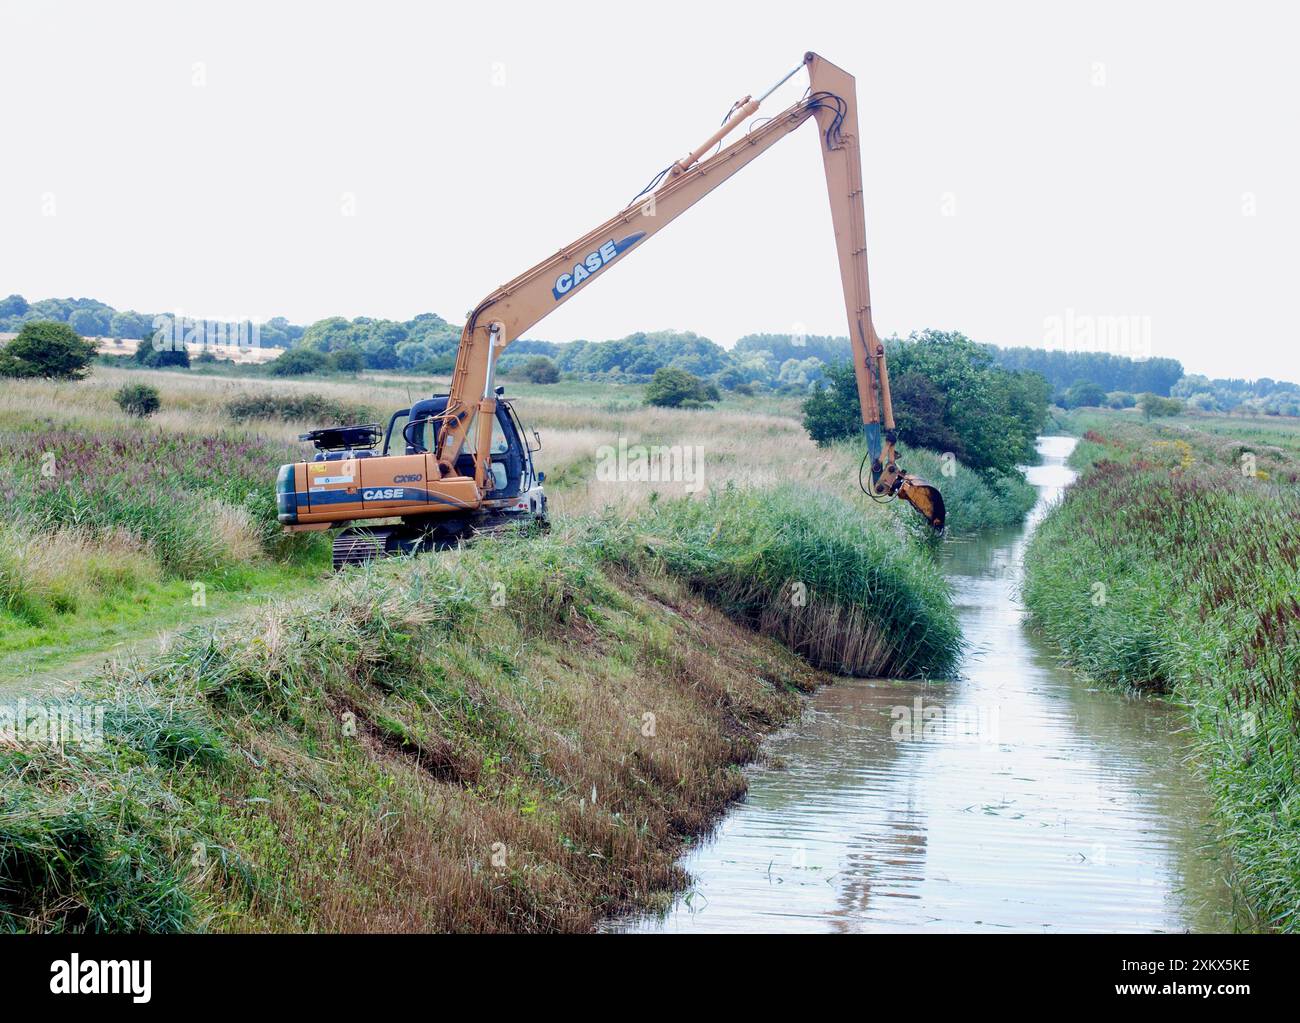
{"x": 409, "y": 495}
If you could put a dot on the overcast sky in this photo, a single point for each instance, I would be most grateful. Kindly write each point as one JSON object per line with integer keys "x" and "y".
{"x": 1030, "y": 168}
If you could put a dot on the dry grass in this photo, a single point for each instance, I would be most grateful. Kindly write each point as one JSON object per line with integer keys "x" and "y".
{"x": 61, "y": 571}
{"x": 751, "y": 444}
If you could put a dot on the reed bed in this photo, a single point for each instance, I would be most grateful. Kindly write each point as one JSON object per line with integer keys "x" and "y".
{"x": 1165, "y": 568}
{"x": 848, "y": 593}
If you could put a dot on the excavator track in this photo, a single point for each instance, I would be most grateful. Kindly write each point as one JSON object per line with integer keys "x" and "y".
{"x": 361, "y": 545}
{"x": 358, "y": 546}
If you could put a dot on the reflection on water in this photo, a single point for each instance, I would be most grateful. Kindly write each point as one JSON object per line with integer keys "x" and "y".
{"x": 1013, "y": 799}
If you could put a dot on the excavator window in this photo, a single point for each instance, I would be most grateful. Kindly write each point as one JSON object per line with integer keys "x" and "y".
{"x": 396, "y": 424}
{"x": 500, "y": 445}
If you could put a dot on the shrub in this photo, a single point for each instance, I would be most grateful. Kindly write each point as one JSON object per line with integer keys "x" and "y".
{"x": 139, "y": 400}
{"x": 1155, "y": 407}
{"x": 671, "y": 387}
{"x": 44, "y": 348}
{"x": 299, "y": 362}
{"x": 541, "y": 370}
{"x": 1084, "y": 394}
{"x": 161, "y": 358}
{"x": 305, "y": 408}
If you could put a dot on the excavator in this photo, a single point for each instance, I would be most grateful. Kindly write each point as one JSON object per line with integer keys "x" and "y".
{"x": 456, "y": 465}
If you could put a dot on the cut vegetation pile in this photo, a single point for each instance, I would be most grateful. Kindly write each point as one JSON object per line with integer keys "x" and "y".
{"x": 1167, "y": 569}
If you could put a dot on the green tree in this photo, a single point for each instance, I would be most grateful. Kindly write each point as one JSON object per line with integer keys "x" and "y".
{"x": 919, "y": 410}
{"x": 801, "y": 374}
{"x": 175, "y": 354}
{"x": 47, "y": 349}
{"x": 1084, "y": 394}
{"x": 1109, "y": 372}
{"x": 90, "y": 322}
{"x": 832, "y": 411}
{"x": 950, "y": 395}
{"x": 541, "y": 370}
{"x": 676, "y": 388}
{"x": 346, "y": 360}
{"x": 14, "y": 305}
{"x": 328, "y": 334}
{"x": 131, "y": 324}
{"x": 1155, "y": 407}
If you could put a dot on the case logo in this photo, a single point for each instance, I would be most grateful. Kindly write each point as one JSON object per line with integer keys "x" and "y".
{"x": 593, "y": 263}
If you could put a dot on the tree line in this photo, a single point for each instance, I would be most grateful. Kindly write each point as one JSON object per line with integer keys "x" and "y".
{"x": 790, "y": 363}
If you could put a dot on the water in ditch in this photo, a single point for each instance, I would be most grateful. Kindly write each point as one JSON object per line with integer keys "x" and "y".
{"x": 1016, "y": 798}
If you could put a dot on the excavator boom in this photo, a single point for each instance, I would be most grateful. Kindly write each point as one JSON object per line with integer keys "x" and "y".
{"x": 831, "y": 101}
{"x": 445, "y": 479}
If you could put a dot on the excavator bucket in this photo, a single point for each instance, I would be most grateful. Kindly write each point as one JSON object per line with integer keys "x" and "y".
{"x": 925, "y": 498}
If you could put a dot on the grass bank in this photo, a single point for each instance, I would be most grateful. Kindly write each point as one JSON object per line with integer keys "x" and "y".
{"x": 518, "y": 736}
{"x": 1168, "y": 567}
{"x": 804, "y": 567}
{"x": 121, "y": 525}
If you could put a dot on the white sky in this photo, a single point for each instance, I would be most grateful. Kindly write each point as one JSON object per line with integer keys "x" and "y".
{"x": 1069, "y": 198}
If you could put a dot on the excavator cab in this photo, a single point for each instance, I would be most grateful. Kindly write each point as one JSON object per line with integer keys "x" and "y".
{"x": 398, "y": 499}
{"x": 415, "y": 430}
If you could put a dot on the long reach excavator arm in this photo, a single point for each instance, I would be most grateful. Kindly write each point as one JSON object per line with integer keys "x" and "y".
{"x": 515, "y": 307}
{"x": 460, "y": 465}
